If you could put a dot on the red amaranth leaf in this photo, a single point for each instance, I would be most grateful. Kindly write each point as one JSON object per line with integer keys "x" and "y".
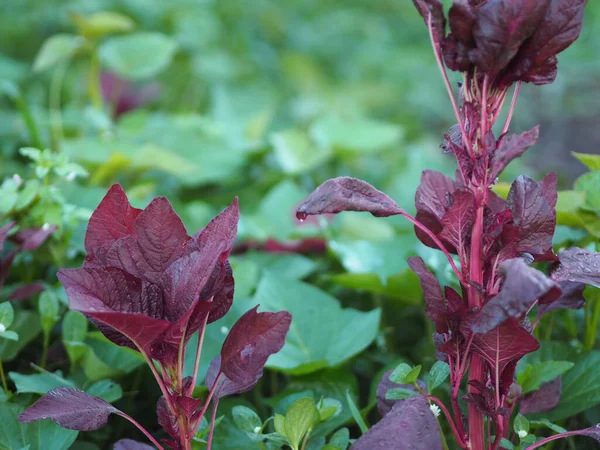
{"x": 512, "y": 147}
{"x": 410, "y": 422}
{"x": 347, "y": 194}
{"x": 435, "y": 306}
{"x": 4, "y": 233}
{"x": 461, "y": 19}
{"x": 226, "y": 387}
{"x": 26, "y": 291}
{"x": 500, "y": 29}
{"x": 544, "y": 73}
{"x": 570, "y": 298}
{"x": 504, "y": 344}
{"x": 438, "y": 21}
{"x": 250, "y": 342}
{"x": 579, "y": 265}
{"x": 523, "y": 286}
{"x": 544, "y": 399}
{"x": 30, "y": 239}
{"x": 70, "y": 408}
{"x": 458, "y": 221}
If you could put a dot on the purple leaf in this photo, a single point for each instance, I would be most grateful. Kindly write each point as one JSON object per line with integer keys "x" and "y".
{"x": 113, "y": 219}
{"x": 543, "y": 73}
{"x": 438, "y": 21}
{"x": 512, "y": 147}
{"x": 409, "y": 425}
{"x": 250, "y": 342}
{"x": 458, "y": 221}
{"x": 166, "y": 419}
{"x": 125, "y": 95}
{"x": 70, "y": 408}
{"x": 570, "y": 298}
{"x": 456, "y": 56}
{"x": 559, "y": 28}
{"x": 504, "y": 344}
{"x": 347, "y": 194}
{"x": 534, "y": 219}
{"x": 523, "y": 286}
{"x": 500, "y": 28}
{"x": 33, "y": 238}
{"x": 26, "y": 291}
{"x": 543, "y": 400}
{"x": 4, "y": 233}
{"x": 226, "y": 387}
{"x": 435, "y": 306}
{"x": 130, "y": 444}
{"x": 461, "y": 19}
{"x": 578, "y": 264}
{"x": 384, "y": 405}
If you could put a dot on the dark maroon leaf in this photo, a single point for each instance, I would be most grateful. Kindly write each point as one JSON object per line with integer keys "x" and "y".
{"x": 33, "y": 238}
{"x": 578, "y": 264}
{"x": 384, "y": 405}
{"x": 559, "y": 28}
{"x": 534, "y": 219}
{"x": 438, "y": 21}
{"x": 124, "y": 95}
{"x": 130, "y": 444}
{"x": 507, "y": 343}
{"x": 4, "y": 233}
{"x": 113, "y": 219}
{"x": 166, "y": 419}
{"x": 543, "y": 400}
{"x": 512, "y": 147}
{"x": 500, "y": 29}
{"x": 461, "y": 19}
{"x": 410, "y": 425}
{"x": 70, "y": 408}
{"x": 226, "y": 387}
{"x": 484, "y": 401}
{"x": 435, "y": 306}
{"x": 347, "y": 194}
{"x": 570, "y": 298}
{"x": 544, "y": 73}
{"x": 453, "y": 299}
{"x": 523, "y": 286}
{"x": 26, "y": 291}
{"x": 455, "y": 54}
{"x": 250, "y": 342}
{"x": 459, "y": 219}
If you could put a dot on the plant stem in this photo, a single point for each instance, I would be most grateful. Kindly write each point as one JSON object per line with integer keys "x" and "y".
{"x": 553, "y": 438}
{"x": 459, "y": 437}
{"x": 160, "y": 382}
{"x": 511, "y": 110}
{"x": 3, "y": 377}
{"x": 591, "y": 330}
{"x": 484, "y": 111}
{"x": 210, "y": 395}
{"x": 212, "y": 424}
{"x": 198, "y": 354}
{"x": 305, "y": 440}
{"x": 141, "y": 428}
{"x": 94, "y": 81}
{"x": 46, "y": 344}
{"x": 29, "y": 122}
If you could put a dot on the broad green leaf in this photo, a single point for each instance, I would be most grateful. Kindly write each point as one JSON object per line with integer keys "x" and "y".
{"x": 412, "y": 376}
{"x": 437, "y": 375}
{"x": 279, "y": 423}
{"x": 295, "y": 152}
{"x": 300, "y": 419}
{"x": 340, "y": 439}
{"x": 7, "y": 314}
{"x": 48, "y": 310}
{"x": 505, "y": 443}
{"x": 246, "y": 419}
{"x": 27, "y": 325}
{"x": 520, "y": 424}
{"x": 322, "y": 334}
{"x": 288, "y": 265}
{"x": 567, "y": 208}
{"x": 10, "y": 335}
{"x": 357, "y": 135}
{"x": 533, "y": 375}
{"x": 590, "y": 184}
{"x": 41, "y": 435}
{"x": 400, "y": 394}
{"x": 591, "y": 161}
{"x": 74, "y": 326}
{"x": 139, "y": 55}
{"x": 56, "y": 49}
{"x": 107, "y": 390}
{"x": 28, "y": 194}
{"x": 403, "y": 286}
{"x": 103, "y": 359}
{"x": 102, "y": 23}
{"x": 328, "y": 408}
{"x": 400, "y": 373}
{"x": 39, "y": 383}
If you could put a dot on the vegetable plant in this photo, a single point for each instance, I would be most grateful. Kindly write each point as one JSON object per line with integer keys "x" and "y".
{"x": 496, "y": 247}
{"x": 149, "y": 286}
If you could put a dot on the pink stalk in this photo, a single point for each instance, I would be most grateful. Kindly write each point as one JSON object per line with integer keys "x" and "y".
{"x": 212, "y": 425}
{"x": 160, "y": 382}
{"x": 555, "y": 437}
{"x": 484, "y": 111}
{"x": 511, "y": 110}
{"x": 210, "y": 396}
{"x": 141, "y": 428}
{"x": 438, "y": 58}
{"x": 198, "y": 354}
{"x": 458, "y": 435}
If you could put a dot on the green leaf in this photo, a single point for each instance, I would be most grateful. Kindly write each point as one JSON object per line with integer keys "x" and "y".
{"x": 139, "y": 55}
{"x": 103, "y": 359}
{"x": 356, "y": 135}
{"x": 328, "y": 408}
{"x": 56, "y": 49}
{"x": 40, "y": 435}
{"x": 10, "y": 335}
{"x": 412, "y": 376}
{"x": 590, "y": 184}
{"x": 48, "y": 310}
{"x": 107, "y": 390}
{"x": 520, "y": 424}
{"x": 403, "y": 286}
{"x": 7, "y": 314}
{"x": 567, "y": 208}
{"x": 295, "y": 152}
{"x": 300, "y": 419}
{"x": 591, "y": 161}
{"x": 28, "y": 194}
{"x": 322, "y": 334}
{"x": 102, "y": 23}
{"x": 400, "y": 373}
{"x": 246, "y": 419}
{"x": 533, "y": 375}
{"x": 27, "y": 325}
{"x": 437, "y": 375}
{"x": 74, "y": 327}
{"x": 400, "y": 394}
{"x": 279, "y": 423}
{"x": 340, "y": 439}
{"x": 39, "y": 383}
{"x": 356, "y": 415}
{"x": 548, "y": 424}
{"x": 505, "y": 443}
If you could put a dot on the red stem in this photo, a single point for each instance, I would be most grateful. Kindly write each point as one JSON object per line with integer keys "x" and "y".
{"x": 141, "y": 428}
{"x": 499, "y": 433}
{"x": 511, "y": 110}
{"x": 553, "y": 438}
{"x": 459, "y": 436}
{"x": 484, "y": 111}
{"x": 198, "y": 354}
{"x": 212, "y": 425}
{"x": 210, "y": 396}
